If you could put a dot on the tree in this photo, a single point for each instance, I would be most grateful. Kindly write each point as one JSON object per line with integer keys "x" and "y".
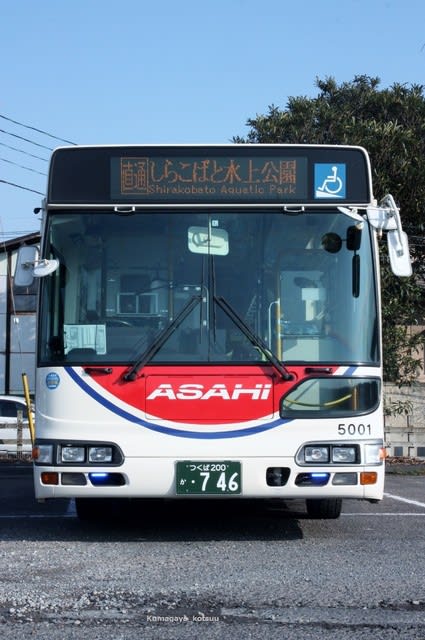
{"x": 390, "y": 124}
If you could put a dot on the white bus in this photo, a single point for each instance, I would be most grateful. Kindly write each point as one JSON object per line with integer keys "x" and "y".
{"x": 209, "y": 325}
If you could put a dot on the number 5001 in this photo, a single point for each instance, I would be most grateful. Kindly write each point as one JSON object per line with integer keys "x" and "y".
{"x": 354, "y": 429}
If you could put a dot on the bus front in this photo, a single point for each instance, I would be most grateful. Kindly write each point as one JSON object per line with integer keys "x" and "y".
{"x": 212, "y": 328}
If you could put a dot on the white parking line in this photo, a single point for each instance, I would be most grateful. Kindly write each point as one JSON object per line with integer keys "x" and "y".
{"x": 387, "y": 514}
{"x": 32, "y": 516}
{"x": 406, "y": 500}
{"x": 350, "y": 514}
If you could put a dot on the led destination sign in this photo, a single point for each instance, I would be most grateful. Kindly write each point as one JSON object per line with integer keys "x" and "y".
{"x": 234, "y": 175}
{"x": 215, "y": 179}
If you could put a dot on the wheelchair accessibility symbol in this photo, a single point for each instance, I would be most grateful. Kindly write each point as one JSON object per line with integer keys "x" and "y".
{"x": 329, "y": 181}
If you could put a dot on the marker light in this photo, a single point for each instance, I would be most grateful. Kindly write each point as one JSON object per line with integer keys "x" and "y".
{"x": 320, "y": 477}
{"x": 99, "y": 479}
{"x": 103, "y": 479}
{"x": 312, "y": 479}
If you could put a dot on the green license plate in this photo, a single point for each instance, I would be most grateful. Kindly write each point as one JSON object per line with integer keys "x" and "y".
{"x": 208, "y": 478}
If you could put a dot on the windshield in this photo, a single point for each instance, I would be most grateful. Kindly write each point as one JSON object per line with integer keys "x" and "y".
{"x": 302, "y": 284}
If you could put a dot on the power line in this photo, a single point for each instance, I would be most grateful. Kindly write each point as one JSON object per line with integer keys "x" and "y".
{"x": 21, "y": 166}
{"x": 8, "y": 146}
{"x": 27, "y": 126}
{"x": 19, "y": 186}
{"x": 37, "y": 144}
{"x": 14, "y": 135}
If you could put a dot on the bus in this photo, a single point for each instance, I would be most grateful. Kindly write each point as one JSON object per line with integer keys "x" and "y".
{"x": 209, "y": 325}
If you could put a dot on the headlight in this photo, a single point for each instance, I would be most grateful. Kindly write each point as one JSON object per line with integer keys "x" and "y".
{"x": 78, "y": 453}
{"x": 72, "y": 454}
{"x": 100, "y": 454}
{"x": 322, "y": 453}
{"x": 316, "y": 454}
{"x": 344, "y": 454}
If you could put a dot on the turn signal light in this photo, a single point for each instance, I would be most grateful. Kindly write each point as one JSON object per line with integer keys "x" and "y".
{"x": 368, "y": 477}
{"x": 383, "y": 453}
{"x": 49, "y": 477}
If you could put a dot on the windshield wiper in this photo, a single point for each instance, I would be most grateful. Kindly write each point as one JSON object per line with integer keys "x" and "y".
{"x": 161, "y": 339}
{"x": 253, "y": 338}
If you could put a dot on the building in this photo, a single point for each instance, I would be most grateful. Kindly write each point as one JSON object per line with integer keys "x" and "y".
{"x": 17, "y": 321}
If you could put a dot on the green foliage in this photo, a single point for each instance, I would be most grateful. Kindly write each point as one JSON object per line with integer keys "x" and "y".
{"x": 390, "y": 124}
{"x": 397, "y": 407}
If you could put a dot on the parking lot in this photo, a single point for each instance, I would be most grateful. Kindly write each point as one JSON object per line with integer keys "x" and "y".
{"x": 188, "y": 571}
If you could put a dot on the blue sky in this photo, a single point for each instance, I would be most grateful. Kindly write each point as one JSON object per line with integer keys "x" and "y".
{"x": 138, "y": 71}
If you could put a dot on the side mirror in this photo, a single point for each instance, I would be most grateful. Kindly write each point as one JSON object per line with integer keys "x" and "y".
{"x": 386, "y": 217}
{"x": 24, "y": 270}
{"x": 29, "y": 266}
{"x": 398, "y": 250}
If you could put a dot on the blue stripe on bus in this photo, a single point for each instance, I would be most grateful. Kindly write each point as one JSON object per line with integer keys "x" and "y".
{"x": 237, "y": 433}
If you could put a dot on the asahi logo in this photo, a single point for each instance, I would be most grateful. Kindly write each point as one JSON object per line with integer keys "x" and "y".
{"x": 192, "y": 391}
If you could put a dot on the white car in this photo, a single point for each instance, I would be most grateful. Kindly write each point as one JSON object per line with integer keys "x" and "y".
{"x": 9, "y": 407}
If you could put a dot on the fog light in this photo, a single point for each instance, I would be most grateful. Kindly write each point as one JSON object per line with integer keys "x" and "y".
{"x": 316, "y": 454}
{"x": 345, "y": 455}
{"x": 100, "y": 454}
{"x": 73, "y": 454}
{"x": 344, "y": 479}
{"x": 74, "y": 479}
